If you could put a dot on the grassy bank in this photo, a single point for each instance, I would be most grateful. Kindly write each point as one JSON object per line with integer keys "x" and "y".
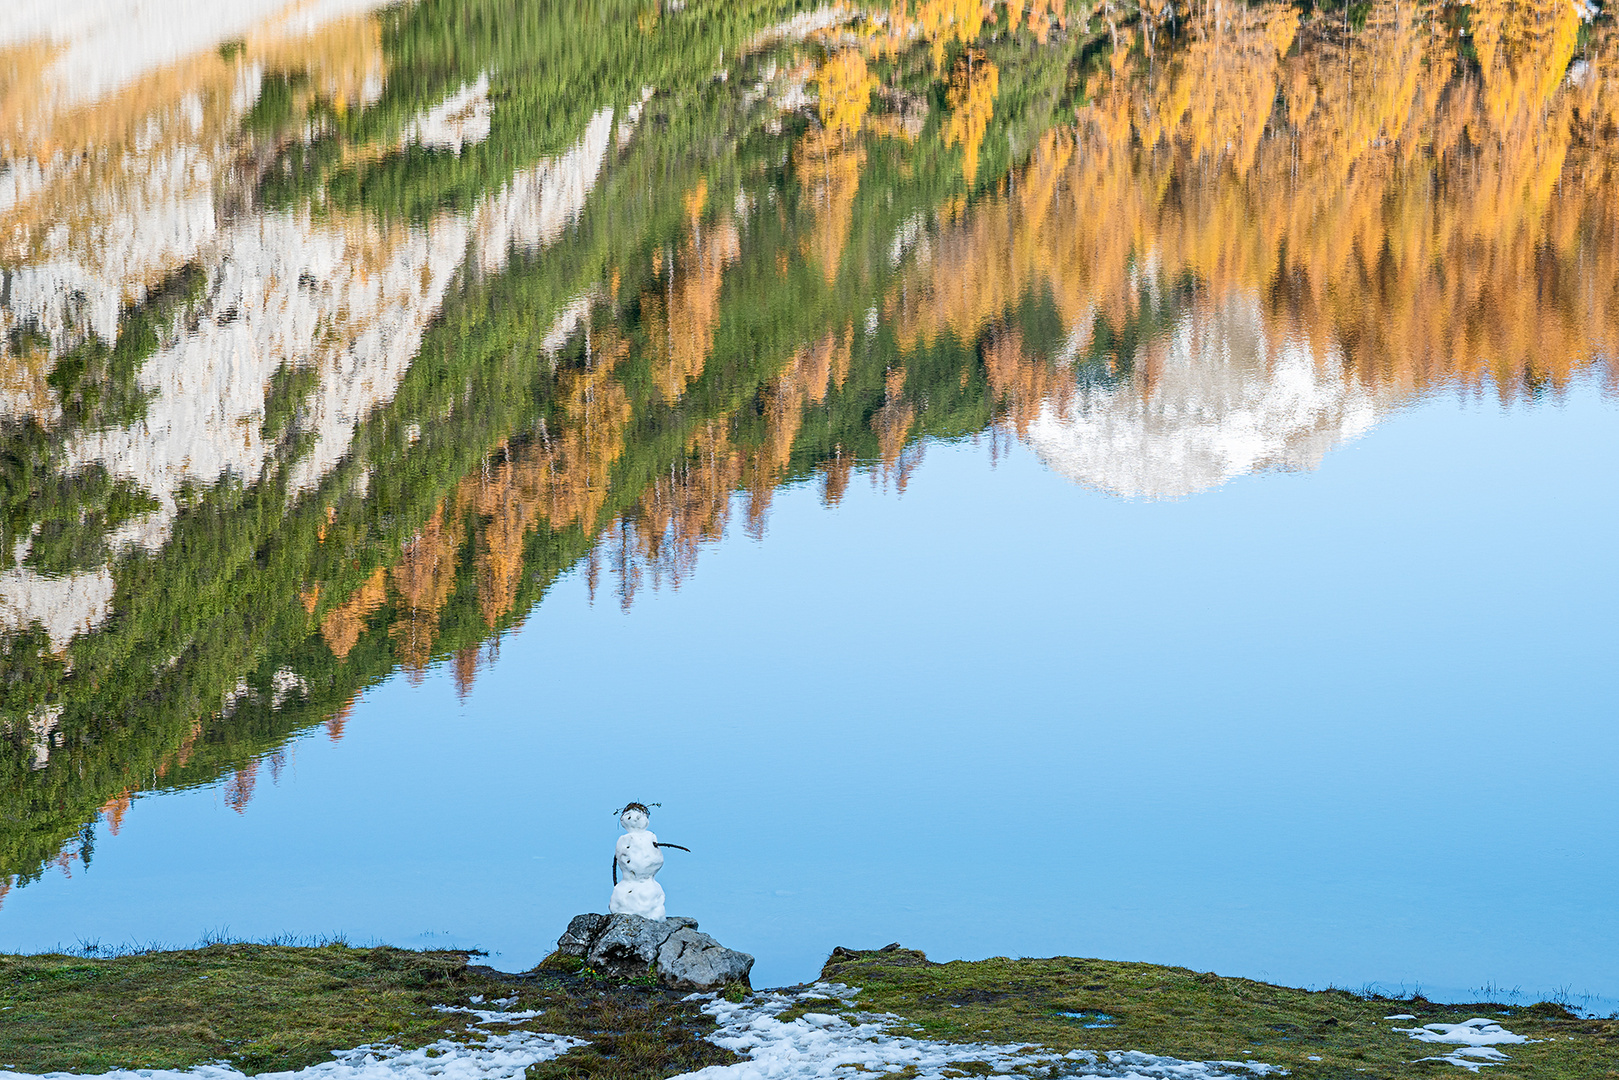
{"x": 1070, "y": 1004}
{"x": 273, "y": 1007}
{"x": 263, "y": 1008}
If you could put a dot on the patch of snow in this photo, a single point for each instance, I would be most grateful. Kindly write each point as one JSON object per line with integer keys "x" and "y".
{"x": 533, "y": 208}
{"x": 1079, "y": 338}
{"x": 233, "y": 698}
{"x": 1477, "y": 1037}
{"x": 573, "y": 315}
{"x": 21, "y": 179}
{"x": 820, "y": 1045}
{"x": 801, "y": 26}
{"x": 462, "y": 119}
{"x": 284, "y": 684}
{"x": 793, "y": 97}
{"x": 905, "y": 238}
{"x": 1478, "y": 1031}
{"x": 632, "y": 117}
{"x": 66, "y": 605}
{"x": 1471, "y": 1058}
{"x": 490, "y": 1016}
{"x": 38, "y": 726}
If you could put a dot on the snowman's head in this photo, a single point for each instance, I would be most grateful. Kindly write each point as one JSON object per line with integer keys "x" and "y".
{"x": 634, "y": 816}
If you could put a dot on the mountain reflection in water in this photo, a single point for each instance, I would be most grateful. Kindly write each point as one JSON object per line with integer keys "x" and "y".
{"x": 326, "y": 346}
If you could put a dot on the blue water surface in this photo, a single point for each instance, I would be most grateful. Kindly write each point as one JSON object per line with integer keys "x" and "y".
{"x": 1351, "y": 726}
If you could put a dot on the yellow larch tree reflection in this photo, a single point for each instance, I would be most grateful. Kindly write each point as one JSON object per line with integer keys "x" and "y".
{"x": 845, "y": 83}
{"x": 342, "y": 625}
{"x": 575, "y": 469}
{"x": 690, "y": 504}
{"x": 829, "y": 159}
{"x": 940, "y": 22}
{"x": 423, "y": 578}
{"x": 1040, "y": 16}
{"x": 1418, "y": 223}
{"x": 803, "y": 382}
{"x": 679, "y": 321}
{"x": 974, "y": 82}
{"x": 828, "y": 167}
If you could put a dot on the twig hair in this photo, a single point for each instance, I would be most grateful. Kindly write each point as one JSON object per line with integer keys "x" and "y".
{"x": 645, "y": 808}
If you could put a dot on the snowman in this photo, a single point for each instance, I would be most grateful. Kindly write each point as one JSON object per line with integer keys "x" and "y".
{"x": 636, "y": 861}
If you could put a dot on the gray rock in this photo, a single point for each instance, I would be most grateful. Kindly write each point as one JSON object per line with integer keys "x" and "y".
{"x": 670, "y": 949}
{"x": 575, "y": 940}
{"x": 688, "y": 960}
{"x": 627, "y": 945}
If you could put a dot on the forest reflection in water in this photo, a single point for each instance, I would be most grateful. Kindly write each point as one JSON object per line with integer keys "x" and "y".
{"x": 327, "y": 351}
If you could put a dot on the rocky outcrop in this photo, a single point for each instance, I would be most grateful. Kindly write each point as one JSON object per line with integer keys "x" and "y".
{"x": 671, "y": 950}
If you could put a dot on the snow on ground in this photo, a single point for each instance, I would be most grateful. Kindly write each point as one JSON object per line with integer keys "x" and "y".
{"x": 819, "y": 1045}
{"x": 1478, "y": 1038}
{"x": 502, "y": 1055}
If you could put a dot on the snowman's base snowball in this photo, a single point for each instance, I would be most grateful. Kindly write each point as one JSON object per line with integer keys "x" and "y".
{"x": 643, "y": 898}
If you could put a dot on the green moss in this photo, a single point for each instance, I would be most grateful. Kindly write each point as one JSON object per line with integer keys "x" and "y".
{"x": 631, "y": 1040}
{"x": 1203, "y": 1016}
{"x": 276, "y": 1007}
{"x": 568, "y": 965}
{"x": 256, "y": 1006}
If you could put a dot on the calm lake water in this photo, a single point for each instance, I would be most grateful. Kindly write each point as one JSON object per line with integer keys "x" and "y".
{"x": 1028, "y": 480}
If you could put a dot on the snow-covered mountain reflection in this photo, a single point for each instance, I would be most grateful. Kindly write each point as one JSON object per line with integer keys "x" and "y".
{"x": 1216, "y": 399}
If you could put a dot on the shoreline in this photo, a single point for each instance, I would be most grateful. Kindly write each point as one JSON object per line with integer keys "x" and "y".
{"x": 1585, "y": 1005}
{"x": 273, "y": 1007}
